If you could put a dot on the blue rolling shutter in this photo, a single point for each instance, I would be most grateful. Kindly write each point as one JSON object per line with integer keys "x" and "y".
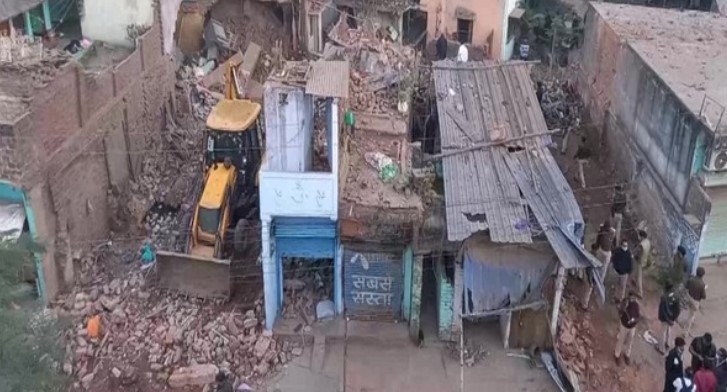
{"x": 305, "y": 237}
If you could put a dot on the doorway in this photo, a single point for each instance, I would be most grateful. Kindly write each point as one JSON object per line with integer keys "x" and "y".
{"x": 430, "y": 300}
{"x": 306, "y": 283}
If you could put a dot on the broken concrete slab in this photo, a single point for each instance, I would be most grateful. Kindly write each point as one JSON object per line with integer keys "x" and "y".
{"x": 193, "y": 375}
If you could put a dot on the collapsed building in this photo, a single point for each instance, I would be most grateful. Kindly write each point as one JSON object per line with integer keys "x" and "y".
{"x": 652, "y": 80}
{"x": 491, "y": 27}
{"x": 341, "y": 192}
{"x": 75, "y": 125}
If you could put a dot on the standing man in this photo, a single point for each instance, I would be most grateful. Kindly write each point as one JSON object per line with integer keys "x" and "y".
{"x": 642, "y": 258}
{"x": 623, "y": 264}
{"x": 441, "y": 47}
{"x": 697, "y": 290}
{"x": 618, "y": 208}
{"x": 629, "y": 314}
{"x": 702, "y": 349}
{"x": 589, "y": 280}
{"x": 669, "y": 310}
{"x": 678, "y": 267}
{"x": 605, "y": 241}
{"x": 583, "y": 155}
{"x": 674, "y": 365}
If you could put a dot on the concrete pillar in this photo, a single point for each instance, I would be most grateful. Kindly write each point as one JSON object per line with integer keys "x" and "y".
{"x": 270, "y": 278}
{"x": 416, "y": 297}
{"x": 46, "y": 15}
{"x": 28, "y": 29}
{"x": 338, "y": 279}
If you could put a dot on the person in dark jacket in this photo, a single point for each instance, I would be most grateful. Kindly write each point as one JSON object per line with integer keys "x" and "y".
{"x": 702, "y": 349}
{"x": 629, "y": 314}
{"x": 223, "y": 383}
{"x": 623, "y": 263}
{"x": 720, "y": 370}
{"x": 674, "y": 365}
{"x": 669, "y": 310}
{"x": 441, "y": 47}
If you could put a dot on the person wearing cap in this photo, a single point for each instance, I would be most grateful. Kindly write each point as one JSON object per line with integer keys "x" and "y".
{"x": 674, "y": 365}
{"x": 629, "y": 315}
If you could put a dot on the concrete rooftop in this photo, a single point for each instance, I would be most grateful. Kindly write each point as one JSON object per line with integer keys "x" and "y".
{"x": 686, "y": 48}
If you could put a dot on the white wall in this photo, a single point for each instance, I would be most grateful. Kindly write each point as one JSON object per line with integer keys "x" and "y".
{"x": 169, "y": 11}
{"x": 296, "y": 192}
{"x": 107, "y": 20}
{"x": 507, "y": 47}
{"x": 288, "y": 130}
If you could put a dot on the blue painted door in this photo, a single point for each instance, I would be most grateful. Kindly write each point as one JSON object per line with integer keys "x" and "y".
{"x": 373, "y": 283}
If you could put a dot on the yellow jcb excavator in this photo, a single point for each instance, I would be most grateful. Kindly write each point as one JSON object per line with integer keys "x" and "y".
{"x": 222, "y": 220}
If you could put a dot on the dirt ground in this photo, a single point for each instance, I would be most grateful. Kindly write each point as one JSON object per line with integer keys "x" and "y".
{"x": 646, "y": 370}
{"x": 379, "y": 357}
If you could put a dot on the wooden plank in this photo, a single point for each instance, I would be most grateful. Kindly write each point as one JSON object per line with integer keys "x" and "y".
{"x": 532, "y": 305}
{"x": 489, "y": 144}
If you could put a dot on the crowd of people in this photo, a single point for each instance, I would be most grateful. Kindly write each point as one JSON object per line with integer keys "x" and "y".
{"x": 707, "y": 371}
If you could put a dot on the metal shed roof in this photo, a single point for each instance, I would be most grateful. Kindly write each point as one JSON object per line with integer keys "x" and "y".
{"x": 490, "y": 103}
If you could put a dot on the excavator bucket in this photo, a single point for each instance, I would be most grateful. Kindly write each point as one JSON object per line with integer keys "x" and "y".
{"x": 233, "y": 115}
{"x": 193, "y": 275}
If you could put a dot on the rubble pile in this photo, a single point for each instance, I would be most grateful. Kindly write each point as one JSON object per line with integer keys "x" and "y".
{"x": 561, "y": 104}
{"x": 470, "y": 353}
{"x": 574, "y": 340}
{"x": 200, "y": 102}
{"x": 306, "y": 283}
{"x": 381, "y": 69}
{"x": 173, "y": 335}
{"x": 36, "y": 71}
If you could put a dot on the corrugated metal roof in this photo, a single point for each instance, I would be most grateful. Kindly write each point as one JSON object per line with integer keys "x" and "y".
{"x": 552, "y": 202}
{"x": 486, "y": 102}
{"x": 478, "y": 103}
{"x": 328, "y": 79}
{"x": 11, "y": 8}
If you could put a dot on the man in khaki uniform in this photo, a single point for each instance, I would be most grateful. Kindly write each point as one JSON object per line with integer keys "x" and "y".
{"x": 642, "y": 258}
{"x": 697, "y": 290}
{"x": 629, "y": 316}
